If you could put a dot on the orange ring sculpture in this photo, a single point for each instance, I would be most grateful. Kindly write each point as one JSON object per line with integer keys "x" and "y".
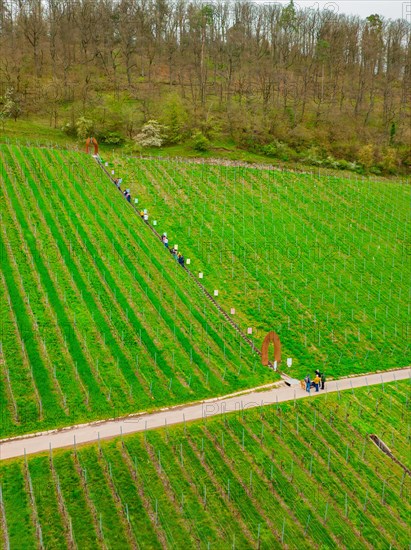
{"x": 275, "y": 339}
{"x": 91, "y": 141}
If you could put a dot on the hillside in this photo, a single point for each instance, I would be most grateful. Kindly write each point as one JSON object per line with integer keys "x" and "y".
{"x": 324, "y": 261}
{"x": 302, "y": 475}
{"x": 97, "y": 319}
{"x": 292, "y": 82}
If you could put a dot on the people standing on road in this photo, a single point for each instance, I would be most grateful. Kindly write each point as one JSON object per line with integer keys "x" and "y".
{"x": 307, "y": 381}
{"x": 322, "y": 380}
{"x": 317, "y": 381}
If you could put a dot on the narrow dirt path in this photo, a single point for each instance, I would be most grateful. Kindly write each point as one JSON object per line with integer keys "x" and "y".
{"x": 92, "y": 432}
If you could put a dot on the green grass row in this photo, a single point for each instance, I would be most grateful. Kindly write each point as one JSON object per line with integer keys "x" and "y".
{"x": 296, "y": 475}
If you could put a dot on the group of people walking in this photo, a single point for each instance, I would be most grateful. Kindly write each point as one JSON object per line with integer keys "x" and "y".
{"x": 318, "y": 382}
{"x": 174, "y": 252}
{"x": 117, "y": 182}
{"x": 144, "y": 214}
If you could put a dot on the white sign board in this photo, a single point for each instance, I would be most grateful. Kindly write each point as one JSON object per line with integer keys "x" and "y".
{"x": 289, "y": 361}
{"x": 200, "y": 275}
{"x": 216, "y": 293}
{"x": 188, "y": 261}
{"x": 249, "y": 330}
{"x": 232, "y": 311}
{"x": 135, "y": 201}
{"x": 154, "y": 222}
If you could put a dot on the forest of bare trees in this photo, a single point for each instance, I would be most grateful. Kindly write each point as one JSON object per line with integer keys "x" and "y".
{"x": 257, "y": 74}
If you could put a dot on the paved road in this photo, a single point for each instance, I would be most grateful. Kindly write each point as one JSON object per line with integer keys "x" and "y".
{"x": 87, "y": 433}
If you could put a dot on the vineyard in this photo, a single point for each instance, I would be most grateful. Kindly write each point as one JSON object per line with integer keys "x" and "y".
{"x": 324, "y": 261}
{"x": 295, "y": 475}
{"x": 97, "y": 320}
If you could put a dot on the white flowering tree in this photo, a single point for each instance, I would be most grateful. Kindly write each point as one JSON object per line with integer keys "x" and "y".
{"x": 151, "y": 135}
{"x": 10, "y": 107}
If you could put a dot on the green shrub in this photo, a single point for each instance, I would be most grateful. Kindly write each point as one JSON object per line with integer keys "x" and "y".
{"x": 69, "y": 129}
{"x": 200, "y": 142}
{"x": 279, "y": 150}
{"x": 110, "y": 138}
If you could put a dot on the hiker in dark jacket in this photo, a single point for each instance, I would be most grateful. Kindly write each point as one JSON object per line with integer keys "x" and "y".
{"x": 322, "y": 380}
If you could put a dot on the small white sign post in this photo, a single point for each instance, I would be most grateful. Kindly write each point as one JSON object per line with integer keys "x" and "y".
{"x": 216, "y": 293}
{"x": 188, "y": 261}
{"x": 249, "y": 330}
{"x": 200, "y": 275}
{"x": 232, "y": 311}
{"x": 289, "y": 361}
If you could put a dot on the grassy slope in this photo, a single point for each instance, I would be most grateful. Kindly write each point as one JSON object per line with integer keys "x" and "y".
{"x": 97, "y": 318}
{"x": 305, "y": 473}
{"x": 324, "y": 261}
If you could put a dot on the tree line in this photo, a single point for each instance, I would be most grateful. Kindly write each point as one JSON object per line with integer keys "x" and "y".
{"x": 271, "y": 78}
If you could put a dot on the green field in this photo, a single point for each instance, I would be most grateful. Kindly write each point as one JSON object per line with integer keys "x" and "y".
{"x": 324, "y": 261}
{"x": 303, "y": 475}
{"x": 97, "y": 319}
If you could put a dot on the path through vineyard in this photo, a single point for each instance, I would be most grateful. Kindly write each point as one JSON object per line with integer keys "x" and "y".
{"x": 88, "y": 433}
